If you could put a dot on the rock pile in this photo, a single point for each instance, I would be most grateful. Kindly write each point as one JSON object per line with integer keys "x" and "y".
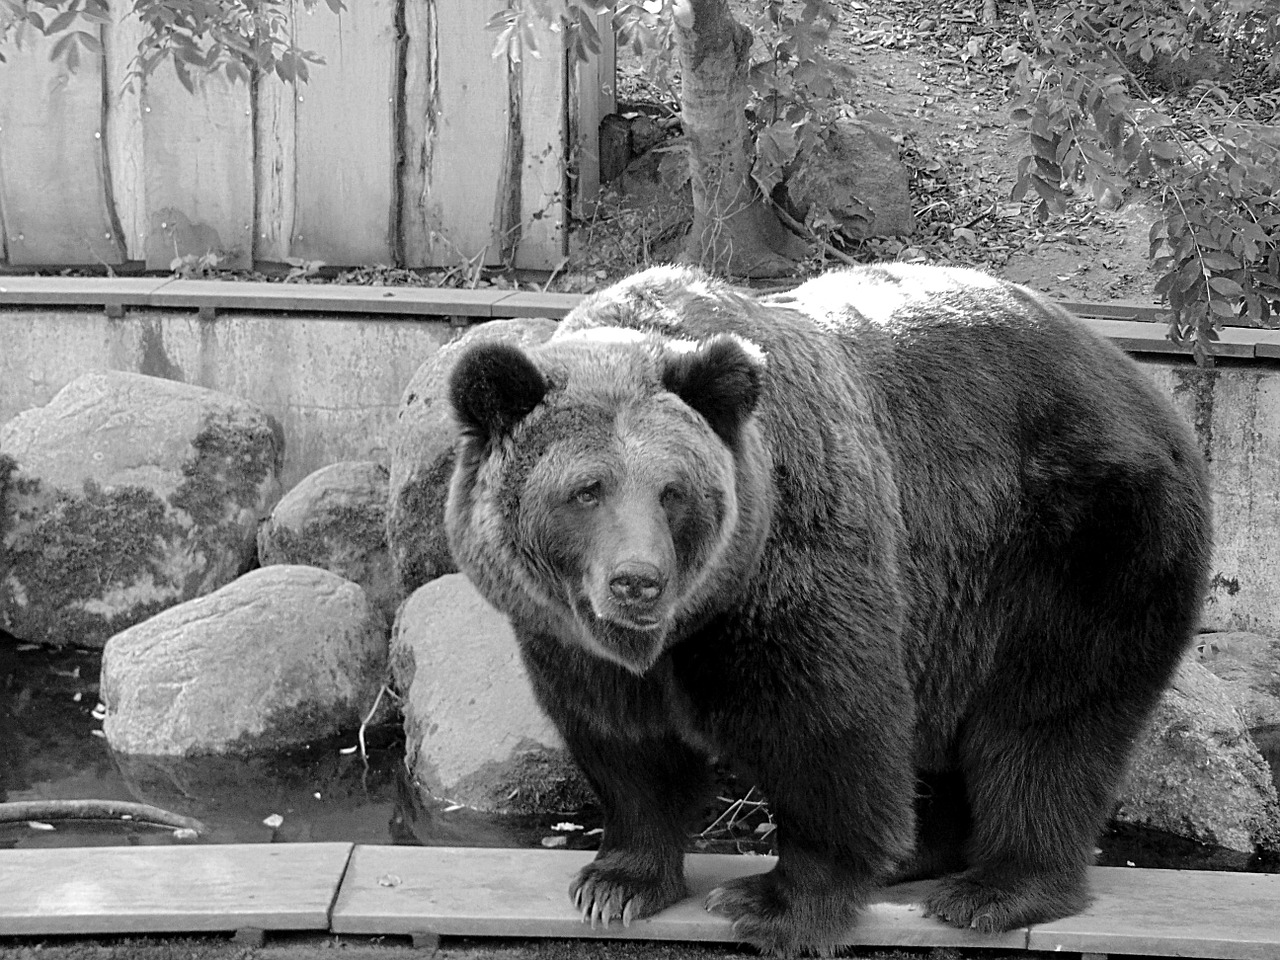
{"x": 133, "y": 511}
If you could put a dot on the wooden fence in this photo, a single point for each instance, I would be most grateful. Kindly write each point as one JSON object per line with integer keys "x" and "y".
{"x": 411, "y": 146}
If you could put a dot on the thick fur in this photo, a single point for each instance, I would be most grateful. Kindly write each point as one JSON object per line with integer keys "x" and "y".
{"x": 910, "y": 547}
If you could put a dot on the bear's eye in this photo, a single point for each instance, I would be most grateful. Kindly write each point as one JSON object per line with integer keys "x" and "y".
{"x": 587, "y": 495}
{"x": 673, "y": 495}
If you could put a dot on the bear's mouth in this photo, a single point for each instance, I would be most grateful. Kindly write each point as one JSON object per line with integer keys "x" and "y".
{"x": 634, "y": 641}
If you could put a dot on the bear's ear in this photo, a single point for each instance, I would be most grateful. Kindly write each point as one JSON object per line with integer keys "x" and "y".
{"x": 720, "y": 380}
{"x": 493, "y": 387}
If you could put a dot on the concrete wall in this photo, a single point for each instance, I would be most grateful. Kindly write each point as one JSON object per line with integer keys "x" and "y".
{"x": 335, "y": 384}
{"x": 1236, "y": 413}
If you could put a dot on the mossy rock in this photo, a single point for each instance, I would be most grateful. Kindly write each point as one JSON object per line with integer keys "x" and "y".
{"x": 336, "y": 519}
{"x": 125, "y": 495}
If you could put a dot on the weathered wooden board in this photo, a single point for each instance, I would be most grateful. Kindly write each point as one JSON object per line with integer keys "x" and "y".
{"x": 1176, "y": 913}
{"x": 528, "y": 304}
{"x": 198, "y": 156}
{"x": 93, "y": 890}
{"x": 344, "y": 161}
{"x": 275, "y": 160}
{"x": 126, "y": 160}
{"x": 92, "y": 291}
{"x": 52, "y": 170}
{"x": 592, "y": 95}
{"x": 544, "y": 130}
{"x": 325, "y": 298}
{"x": 1116, "y": 310}
{"x": 1137, "y": 335}
{"x": 455, "y": 133}
{"x": 524, "y": 893}
{"x": 1267, "y": 344}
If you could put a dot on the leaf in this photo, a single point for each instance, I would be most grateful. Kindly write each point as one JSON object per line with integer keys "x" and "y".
{"x": 89, "y": 42}
{"x": 62, "y": 47}
{"x": 1226, "y": 286}
{"x": 62, "y": 21}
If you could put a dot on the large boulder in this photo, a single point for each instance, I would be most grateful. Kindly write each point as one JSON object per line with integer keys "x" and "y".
{"x": 1249, "y": 667}
{"x": 281, "y": 657}
{"x": 422, "y": 454}
{"x": 124, "y": 495}
{"x": 1198, "y": 774}
{"x": 336, "y": 519}
{"x": 857, "y": 180}
{"x": 473, "y": 732}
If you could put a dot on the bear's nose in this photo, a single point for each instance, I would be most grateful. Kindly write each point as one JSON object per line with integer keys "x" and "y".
{"x": 637, "y": 583}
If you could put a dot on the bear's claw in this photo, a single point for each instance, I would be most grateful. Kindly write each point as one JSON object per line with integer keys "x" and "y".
{"x": 602, "y": 893}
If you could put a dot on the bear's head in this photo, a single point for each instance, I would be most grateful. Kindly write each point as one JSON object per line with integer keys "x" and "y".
{"x": 606, "y": 484}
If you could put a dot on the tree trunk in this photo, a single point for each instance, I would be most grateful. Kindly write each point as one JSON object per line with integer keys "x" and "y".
{"x": 734, "y": 230}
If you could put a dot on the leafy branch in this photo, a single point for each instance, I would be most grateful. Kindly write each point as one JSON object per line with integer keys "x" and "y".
{"x": 235, "y": 37}
{"x": 1213, "y": 165}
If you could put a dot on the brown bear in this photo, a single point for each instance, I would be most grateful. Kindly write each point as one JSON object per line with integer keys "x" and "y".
{"x": 911, "y": 547}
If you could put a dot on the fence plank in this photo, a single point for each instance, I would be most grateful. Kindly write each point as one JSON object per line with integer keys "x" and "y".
{"x": 199, "y": 169}
{"x": 346, "y": 152}
{"x": 126, "y": 162}
{"x": 52, "y": 174}
{"x": 274, "y": 163}
{"x": 456, "y": 108}
{"x": 544, "y": 141}
{"x": 593, "y": 93}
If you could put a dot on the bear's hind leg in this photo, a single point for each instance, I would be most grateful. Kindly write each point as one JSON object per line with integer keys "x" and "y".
{"x": 943, "y": 824}
{"x": 798, "y": 908}
{"x": 649, "y": 791}
{"x": 842, "y": 799}
{"x": 1040, "y": 792}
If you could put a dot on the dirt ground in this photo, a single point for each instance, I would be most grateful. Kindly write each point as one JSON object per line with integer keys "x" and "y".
{"x": 933, "y": 73}
{"x": 931, "y": 76}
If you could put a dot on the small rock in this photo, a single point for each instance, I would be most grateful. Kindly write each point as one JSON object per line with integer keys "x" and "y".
{"x": 422, "y": 455}
{"x": 283, "y": 656}
{"x": 1196, "y": 773}
{"x": 336, "y": 519}
{"x": 473, "y": 732}
{"x": 124, "y": 495}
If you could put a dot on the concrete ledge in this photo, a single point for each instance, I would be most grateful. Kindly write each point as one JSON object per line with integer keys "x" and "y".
{"x": 1134, "y": 326}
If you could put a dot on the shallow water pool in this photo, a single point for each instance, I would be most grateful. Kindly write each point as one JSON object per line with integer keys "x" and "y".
{"x": 51, "y": 748}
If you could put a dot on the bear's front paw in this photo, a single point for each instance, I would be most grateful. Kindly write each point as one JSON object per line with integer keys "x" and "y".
{"x": 615, "y": 887}
{"x": 993, "y": 904}
{"x": 784, "y": 922}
